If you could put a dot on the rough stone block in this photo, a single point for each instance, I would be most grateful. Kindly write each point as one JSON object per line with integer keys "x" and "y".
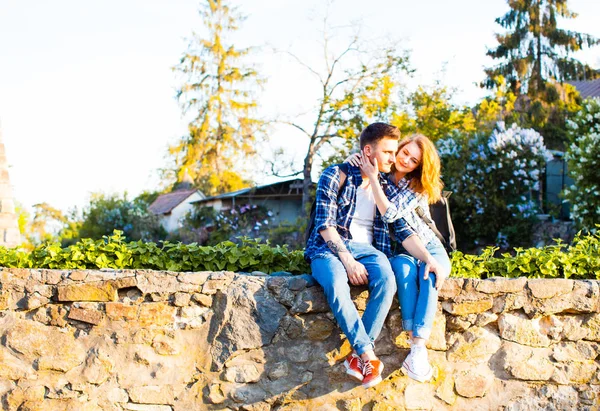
{"x": 57, "y": 315}
{"x": 52, "y": 277}
{"x": 181, "y": 299}
{"x": 571, "y": 327}
{"x": 12, "y": 368}
{"x": 243, "y": 372}
{"x": 156, "y": 314}
{"x": 473, "y": 304}
{"x": 121, "y": 312}
{"x": 310, "y": 300}
{"x": 547, "y": 288}
{"x": 35, "y": 300}
{"x": 52, "y": 348}
{"x": 574, "y": 372}
{"x": 472, "y": 383}
{"x": 418, "y": 397}
{"x": 5, "y": 300}
{"x": 319, "y": 329}
{"x": 477, "y": 345}
{"x": 125, "y": 282}
{"x": 144, "y": 407}
{"x": 497, "y": 285}
{"x": 525, "y": 363}
{"x": 164, "y": 345}
{"x": 198, "y": 278}
{"x": 217, "y": 282}
{"x": 522, "y": 330}
{"x": 451, "y": 288}
{"x": 78, "y": 275}
{"x": 592, "y": 325}
{"x": 87, "y": 316}
{"x": 202, "y": 299}
{"x": 88, "y": 292}
{"x": 152, "y": 394}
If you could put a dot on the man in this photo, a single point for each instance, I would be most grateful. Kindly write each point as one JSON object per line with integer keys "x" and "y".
{"x": 350, "y": 243}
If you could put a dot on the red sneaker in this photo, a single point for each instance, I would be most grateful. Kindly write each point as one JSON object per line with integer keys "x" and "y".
{"x": 371, "y": 373}
{"x": 354, "y": 366}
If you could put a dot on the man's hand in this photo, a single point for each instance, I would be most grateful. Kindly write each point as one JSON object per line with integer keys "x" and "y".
{"x": 432, "y": 266}
{"x": 357, "y": 273}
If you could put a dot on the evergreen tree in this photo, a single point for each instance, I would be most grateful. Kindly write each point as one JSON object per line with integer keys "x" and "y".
{"x": 535, "y": 50}
{"x": 218, "y": 89}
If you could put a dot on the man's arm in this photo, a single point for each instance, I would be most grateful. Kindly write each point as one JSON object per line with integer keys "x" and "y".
{"x": 357, "y": 273}
{"x": 328, "y": 189}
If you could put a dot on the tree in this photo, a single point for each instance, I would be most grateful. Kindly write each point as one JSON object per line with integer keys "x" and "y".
{"x": 357, "y": 86}
{"x": 106, "y": 213}
{"x": 433, "y": 114}
{"x": 46, "y": 223}
{"x": 219, "y": 89}
{"x": 534, "y": 50}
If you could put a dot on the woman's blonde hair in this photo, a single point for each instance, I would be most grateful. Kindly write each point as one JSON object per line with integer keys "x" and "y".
{"x": 425, "y": 178}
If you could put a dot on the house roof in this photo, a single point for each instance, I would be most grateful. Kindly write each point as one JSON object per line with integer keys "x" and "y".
{"x": 281, "y": 188}
{"x": 587, "y": 88}
{"x": 167, "y": 202}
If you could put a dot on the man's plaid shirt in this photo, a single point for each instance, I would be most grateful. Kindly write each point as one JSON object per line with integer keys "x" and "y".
{"x": 333, "y": 210}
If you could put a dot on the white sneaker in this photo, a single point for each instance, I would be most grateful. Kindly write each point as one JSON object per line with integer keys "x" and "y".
{"x": 416, "y": 365}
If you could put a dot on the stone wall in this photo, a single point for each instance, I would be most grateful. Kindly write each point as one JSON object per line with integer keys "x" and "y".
{"x": 163, "y": 341}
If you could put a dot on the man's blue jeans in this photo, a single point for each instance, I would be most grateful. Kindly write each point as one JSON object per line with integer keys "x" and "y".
{"x": 331, "y": 275}
{"x": 418, "y": 297}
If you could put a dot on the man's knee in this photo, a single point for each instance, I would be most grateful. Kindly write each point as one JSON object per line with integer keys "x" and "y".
{"x": 386, "y": 280}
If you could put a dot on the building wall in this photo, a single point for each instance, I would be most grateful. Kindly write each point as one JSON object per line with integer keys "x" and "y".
{"x": 284, "y": 210}
{"x": 171, "y": 221}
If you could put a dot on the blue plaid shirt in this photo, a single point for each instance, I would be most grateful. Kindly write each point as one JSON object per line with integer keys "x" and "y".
{"x": 333, "y": 210}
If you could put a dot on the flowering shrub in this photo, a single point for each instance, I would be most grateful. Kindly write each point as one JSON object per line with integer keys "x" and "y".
{"x": 208, "y": 226}
{"x": 496, "y": 181}
{"x": 583, "y": 157}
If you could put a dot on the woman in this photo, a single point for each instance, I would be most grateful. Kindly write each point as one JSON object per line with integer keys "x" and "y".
{"x": 417, "y": 168}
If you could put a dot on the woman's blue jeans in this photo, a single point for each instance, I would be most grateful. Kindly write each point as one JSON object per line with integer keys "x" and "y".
{"x": 418, "y": 297}
{"x": 331, "y": 275}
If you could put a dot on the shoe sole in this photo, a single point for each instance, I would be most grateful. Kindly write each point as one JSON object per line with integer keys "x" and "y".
{"x": 353, "y": 373}
{"x": 421, "y": 378}
{"x": 375, "y": 381}
{"x": 372, "y": 383}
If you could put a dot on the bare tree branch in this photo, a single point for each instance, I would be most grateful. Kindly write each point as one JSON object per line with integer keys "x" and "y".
{"x": 289, "y": 123}
{"x": 303, "y": 64}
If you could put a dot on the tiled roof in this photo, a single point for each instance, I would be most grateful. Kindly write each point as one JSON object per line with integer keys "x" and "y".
{"x": 279, "y": 188}
{"x": 167, "y": 202}
{"x": 588, "y": 88}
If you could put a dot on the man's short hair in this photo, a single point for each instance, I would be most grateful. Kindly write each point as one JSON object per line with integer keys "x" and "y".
{"x": 378, "y": 131}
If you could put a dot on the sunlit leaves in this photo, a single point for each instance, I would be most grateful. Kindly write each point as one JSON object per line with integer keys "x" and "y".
{"x": 219, "y": 89}
{"x": 579, "y": 260}
{"x": 116, "y": 253}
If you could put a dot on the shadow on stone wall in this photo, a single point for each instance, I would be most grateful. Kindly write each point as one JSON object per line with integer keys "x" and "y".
{"x": 163, "y": 341}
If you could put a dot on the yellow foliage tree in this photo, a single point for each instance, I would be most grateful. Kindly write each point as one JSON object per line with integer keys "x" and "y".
{"x": 220, "y": 90}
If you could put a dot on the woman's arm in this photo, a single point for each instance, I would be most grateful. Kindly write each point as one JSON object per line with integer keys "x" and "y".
{"x": 371, "y": 170}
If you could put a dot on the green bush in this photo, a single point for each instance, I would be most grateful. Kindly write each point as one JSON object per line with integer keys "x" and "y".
{"x": 579, "y": 260}
{"x": 115, "y": 252}
{"x": 583, "y": 156}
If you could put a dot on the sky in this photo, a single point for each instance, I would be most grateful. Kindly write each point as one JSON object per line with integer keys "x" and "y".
{"x": 87, "y": 93}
